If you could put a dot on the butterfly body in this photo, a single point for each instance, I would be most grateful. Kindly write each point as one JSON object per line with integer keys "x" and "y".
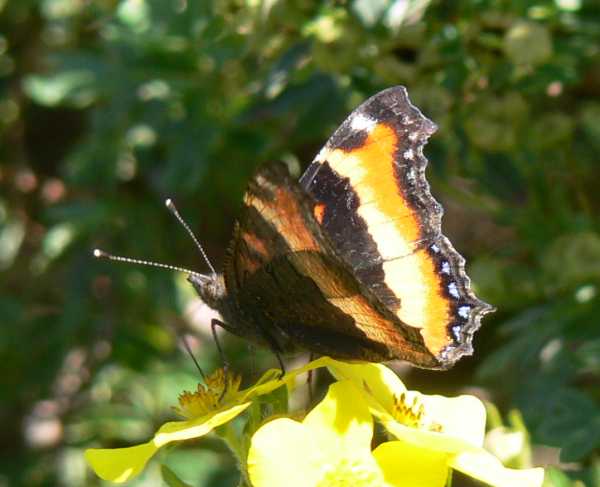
{"x": 350, "y": 261}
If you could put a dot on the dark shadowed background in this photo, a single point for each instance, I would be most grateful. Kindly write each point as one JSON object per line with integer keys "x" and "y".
{"x": 107, "y": 107}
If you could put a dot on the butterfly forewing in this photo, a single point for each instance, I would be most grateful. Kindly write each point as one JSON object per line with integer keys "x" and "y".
{"x": 374, "y": 204}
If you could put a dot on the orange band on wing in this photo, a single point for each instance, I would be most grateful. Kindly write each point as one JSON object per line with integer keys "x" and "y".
{"x": 395, "y": 227}
{"x": 284, "y": 213}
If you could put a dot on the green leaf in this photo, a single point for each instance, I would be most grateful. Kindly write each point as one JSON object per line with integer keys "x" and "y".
{"x": 568, "y": 419}
{"x": 171, "y": 478}
{"x": 555, "y": 478}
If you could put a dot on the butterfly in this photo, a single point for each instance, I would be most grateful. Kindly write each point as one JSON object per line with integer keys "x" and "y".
{"x": 350, "y": 260}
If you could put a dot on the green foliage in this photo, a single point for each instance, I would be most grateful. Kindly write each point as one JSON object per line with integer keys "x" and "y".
{"x": 107, "y": 107}
{"x": 171, "y": 478}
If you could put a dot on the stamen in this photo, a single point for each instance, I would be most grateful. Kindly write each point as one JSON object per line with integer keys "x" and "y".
{"x": 220, "y": 389}
{"x": 412, "y": 413}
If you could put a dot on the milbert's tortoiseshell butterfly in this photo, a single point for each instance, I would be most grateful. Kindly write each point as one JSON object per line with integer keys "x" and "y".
{"x": 350, "y": 261}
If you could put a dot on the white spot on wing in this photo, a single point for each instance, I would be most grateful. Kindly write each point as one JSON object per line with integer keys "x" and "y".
{"x": 456, "y": 332}
{"x": 464, "y": 312}
{"x": 435, "y": 248}
{"x": 445, "y": 267}
{"x": 409, "y": 154}
{"x": 453, "y": 290}
{"x": 361, "y": 122}
{"x": 322, "y": 155}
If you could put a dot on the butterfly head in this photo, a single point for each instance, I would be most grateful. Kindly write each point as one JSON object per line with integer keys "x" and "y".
{"x": 210, "y": 288}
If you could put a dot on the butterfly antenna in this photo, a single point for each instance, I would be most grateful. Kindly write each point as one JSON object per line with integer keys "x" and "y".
{"x": 100, "y": 254}
{"x": 191, "y": 354}
{"x": 171, "y": 206}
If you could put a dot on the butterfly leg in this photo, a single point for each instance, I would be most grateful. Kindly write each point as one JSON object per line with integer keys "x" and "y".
{"x": 275, "y": 348}
{"x": 213, "y": 325}
{"x": 271, "y": 341}
{"x": 213, "y": 328}
{"x": 309, "y": 379}
{"x": 281, "y": 364}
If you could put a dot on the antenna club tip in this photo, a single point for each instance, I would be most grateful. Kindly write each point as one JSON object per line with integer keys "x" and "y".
{"x": 98, "y": 253}
{"x": 169, "y": 204}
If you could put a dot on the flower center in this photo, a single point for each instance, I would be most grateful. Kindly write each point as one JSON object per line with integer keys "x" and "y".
{"x": 348, "y": 473}
{"x": 221, "y": 387}
{"x": 411, "y": 413}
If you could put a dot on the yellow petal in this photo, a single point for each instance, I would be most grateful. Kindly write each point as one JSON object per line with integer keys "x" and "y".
{"x": 194, "y": 428}
{"x": 122, "y": 464}
{"x": 270, "y": 381}
{"x": 422, "y": 438}
{"x": 482, "y": 465}
{"x": 450, "y": 413}
{"x": 331, "y": 446}
{"x": 407, "y": 466}
{"x": 283, "y": 452}
{"x": 504, "y": 443}
{"x": 342, "y": 420}
{"x": 461, "y": 417}
{"x": 382, "y": 383}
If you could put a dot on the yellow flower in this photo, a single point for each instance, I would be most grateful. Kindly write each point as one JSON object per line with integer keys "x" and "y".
{"x": 210, "y": 406}
{"x": 331, "y": 447}
{"x": 433, "y": 433}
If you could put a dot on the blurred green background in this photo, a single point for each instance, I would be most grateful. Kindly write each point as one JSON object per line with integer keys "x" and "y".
{"x": 107, "y": 107}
